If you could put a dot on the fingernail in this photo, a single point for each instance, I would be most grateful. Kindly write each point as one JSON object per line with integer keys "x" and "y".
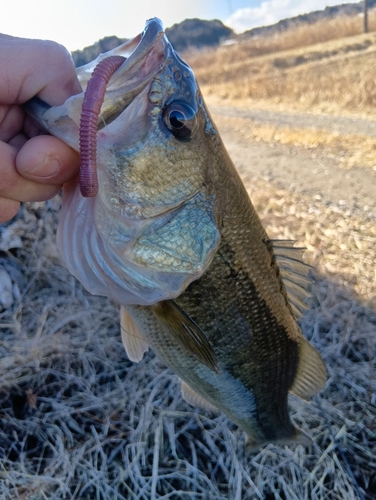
{"x": 48, "y": 168}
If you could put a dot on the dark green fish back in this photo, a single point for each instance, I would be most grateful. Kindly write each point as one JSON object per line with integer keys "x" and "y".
{"x": 247, "y": 339}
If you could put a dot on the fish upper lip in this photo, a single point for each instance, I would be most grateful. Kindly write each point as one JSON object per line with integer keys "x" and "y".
{"x": 148, "y": 39}
{"x": 144, "y": 56}
{"x": 142, "y": 48}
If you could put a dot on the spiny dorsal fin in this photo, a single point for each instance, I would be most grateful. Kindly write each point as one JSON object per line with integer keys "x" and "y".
{"x": 134, "y": 344}
{"x": 186, "y": 332}
{"x": 293, "y": 273}
{"x": 311, "y": 374}
{"x": 195, "y": 399}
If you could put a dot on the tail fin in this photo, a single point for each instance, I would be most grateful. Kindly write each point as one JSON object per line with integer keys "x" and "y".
{"x": 297, "y": 437}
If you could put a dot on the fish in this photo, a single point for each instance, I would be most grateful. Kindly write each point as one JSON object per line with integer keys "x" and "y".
{"x": 171, "y": 235}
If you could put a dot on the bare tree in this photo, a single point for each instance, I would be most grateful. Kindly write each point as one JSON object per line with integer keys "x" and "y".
{"x": 365, "y": 17}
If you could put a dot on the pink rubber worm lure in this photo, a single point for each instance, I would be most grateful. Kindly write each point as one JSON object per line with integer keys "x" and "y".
{"x": 91, "y": 106}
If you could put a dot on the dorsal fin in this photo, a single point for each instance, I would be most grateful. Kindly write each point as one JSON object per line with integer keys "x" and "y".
{"x": 195, "y": 399}
{"x": 311, "y": 374}
{"x": 133, "y": 342}
{"x": 294, "y": 274}
{"x": 186, "y": 332}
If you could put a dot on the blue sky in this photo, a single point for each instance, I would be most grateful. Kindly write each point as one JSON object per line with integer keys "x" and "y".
{"x": 78, "y": 23}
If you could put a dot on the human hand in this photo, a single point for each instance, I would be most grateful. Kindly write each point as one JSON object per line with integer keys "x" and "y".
{"x": 33, "y": 167}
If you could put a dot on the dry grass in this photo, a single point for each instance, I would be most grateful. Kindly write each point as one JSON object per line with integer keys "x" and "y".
{"x": 304, "y": 67}
{"x": 302, "y": 35}
{"x": 78, "y": 420}
{"x": 350, "y": 149}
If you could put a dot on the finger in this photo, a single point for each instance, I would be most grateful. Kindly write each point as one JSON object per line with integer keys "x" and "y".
{"x": 8, "y": 209}
{"x": 15, "y": 187}
{"x": 42, "y": 68}
{"x": 14, "y": 122}
{"x": 18, "y": 141}
{"x": 47, "y": 160}
{"x": 30, "y": 128}
{"x": 11, "y": 121}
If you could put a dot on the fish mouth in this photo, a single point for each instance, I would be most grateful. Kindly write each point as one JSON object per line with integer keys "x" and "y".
{"x": 116, "y": 80}
{"x": 133, "y": 49}
{"x": 144, "y": 56}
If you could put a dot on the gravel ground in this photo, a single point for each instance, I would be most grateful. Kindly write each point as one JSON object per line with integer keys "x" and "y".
{"x": 311, "y": 172}
{"x": 341, "y": 124}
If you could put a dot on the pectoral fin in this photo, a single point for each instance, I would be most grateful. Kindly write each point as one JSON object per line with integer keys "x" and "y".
{"x": 186, "y": 332}
{"x": 134, "y": 344}
{"x": 195, "y": 399}
{"x": 311, "y": 375}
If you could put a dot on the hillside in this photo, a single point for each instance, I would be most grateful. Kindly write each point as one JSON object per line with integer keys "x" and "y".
{"x": 198, "y": 33}
{"x": 191, "y": 33}
{"x": 300, "y": 68}
{"x": 342, "y": 10}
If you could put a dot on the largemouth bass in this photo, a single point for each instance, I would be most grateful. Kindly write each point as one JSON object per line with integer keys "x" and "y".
{"x": 172, "y": 237}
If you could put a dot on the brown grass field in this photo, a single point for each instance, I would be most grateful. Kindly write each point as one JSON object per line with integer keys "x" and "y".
{"x": 309, "y": 67}
{"x": 78, "y": 420}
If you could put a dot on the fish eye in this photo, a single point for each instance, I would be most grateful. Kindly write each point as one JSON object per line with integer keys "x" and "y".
{"x": 180, "y": 119}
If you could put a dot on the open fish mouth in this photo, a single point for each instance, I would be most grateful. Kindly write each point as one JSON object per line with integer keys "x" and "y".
{"x": 130, "y": 66}
{"x": 142, "y": 57}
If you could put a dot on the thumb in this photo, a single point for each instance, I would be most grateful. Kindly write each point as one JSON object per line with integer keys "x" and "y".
{"x": 46, "y": 159}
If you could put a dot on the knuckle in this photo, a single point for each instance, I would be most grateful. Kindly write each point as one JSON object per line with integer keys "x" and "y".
{"x": 8, "y": 209}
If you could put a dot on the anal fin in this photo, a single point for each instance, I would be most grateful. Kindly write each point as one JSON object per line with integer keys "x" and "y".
{"x": 134, "y": 343}
{"x": 195, "y": 399}
{"x": 311, "y": 374}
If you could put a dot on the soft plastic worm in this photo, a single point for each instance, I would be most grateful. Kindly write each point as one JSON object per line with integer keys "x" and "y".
{"x": 91, "y": 107}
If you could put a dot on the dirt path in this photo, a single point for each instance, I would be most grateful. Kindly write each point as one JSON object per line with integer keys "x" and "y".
{"x": 305, "y": 171}
{"x": 341, "y": 124}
